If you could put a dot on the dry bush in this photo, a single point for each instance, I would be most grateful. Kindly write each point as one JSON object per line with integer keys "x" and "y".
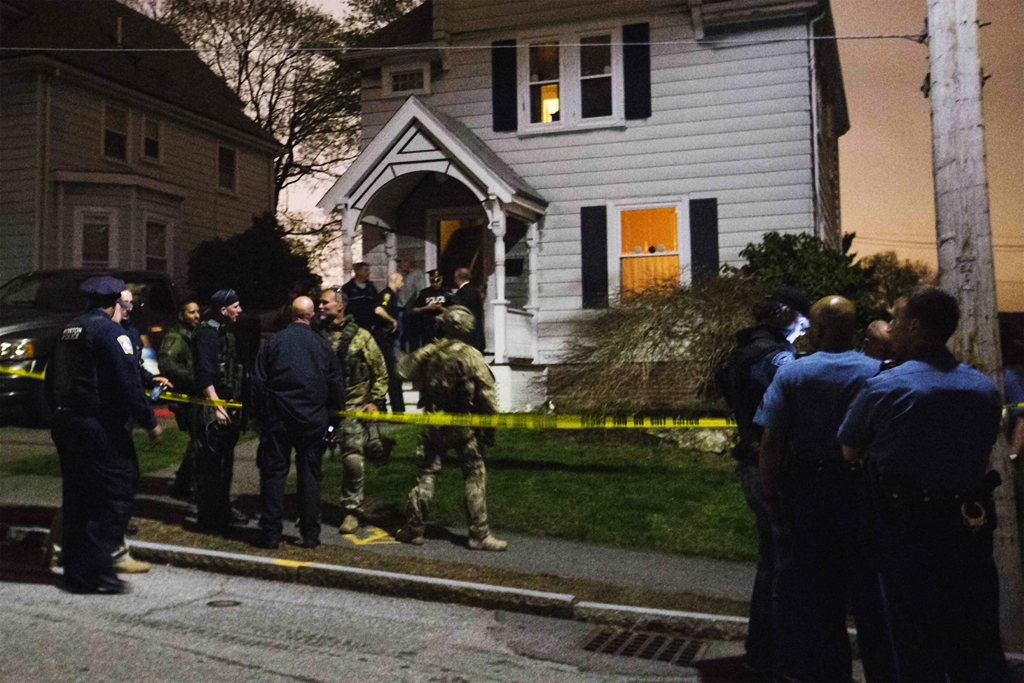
{"x": 655, "y": 350}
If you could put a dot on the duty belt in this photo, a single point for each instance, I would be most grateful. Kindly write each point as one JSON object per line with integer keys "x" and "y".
{"x": 801, "y": 468}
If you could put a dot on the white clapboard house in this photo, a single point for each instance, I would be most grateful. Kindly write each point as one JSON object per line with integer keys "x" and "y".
{"x": 569, "y": 151}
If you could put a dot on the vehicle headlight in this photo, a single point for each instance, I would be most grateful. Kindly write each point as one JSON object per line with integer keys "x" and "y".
{"x": 17, "y": 349}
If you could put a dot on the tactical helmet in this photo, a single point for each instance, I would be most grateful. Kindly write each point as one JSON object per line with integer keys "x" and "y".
{"x": 456, "y": 322}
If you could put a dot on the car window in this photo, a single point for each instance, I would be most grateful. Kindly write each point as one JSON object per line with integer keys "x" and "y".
{"x": 56, "y": 292}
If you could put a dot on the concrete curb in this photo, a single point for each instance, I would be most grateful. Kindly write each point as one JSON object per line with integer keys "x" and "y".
{"x": 691, "y": 624}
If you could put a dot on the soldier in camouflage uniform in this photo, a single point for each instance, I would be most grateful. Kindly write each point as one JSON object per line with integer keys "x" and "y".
{"x": 175, "y": 361}
{"x": 218, "y": 374}
{"x": 366, "y": 383}
{"x": 452, "y": 377}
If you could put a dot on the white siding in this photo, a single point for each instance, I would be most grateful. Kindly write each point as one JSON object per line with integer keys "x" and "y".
{"x": 729, "y": 122}
{"x": 19, "y": 159}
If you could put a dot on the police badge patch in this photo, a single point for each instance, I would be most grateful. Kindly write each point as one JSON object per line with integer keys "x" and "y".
{"x": 783, "y": 358}
{"x": 126, "y": 344}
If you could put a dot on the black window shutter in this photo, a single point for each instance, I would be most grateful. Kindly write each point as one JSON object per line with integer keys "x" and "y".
{"x": 704, "y": 237}
{"x": 636, "y": 68}
{"x": 503, "y": 85}
{"x": 594, "y": 243}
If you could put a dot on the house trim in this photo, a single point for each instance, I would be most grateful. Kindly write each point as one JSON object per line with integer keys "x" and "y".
{"x": 99, "y": 178}
{"x": 386, "y": 155}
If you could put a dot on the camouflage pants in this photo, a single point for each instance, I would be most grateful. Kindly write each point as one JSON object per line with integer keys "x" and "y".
{"x": 466, "y": 443}
{"x": 355, "y": 435}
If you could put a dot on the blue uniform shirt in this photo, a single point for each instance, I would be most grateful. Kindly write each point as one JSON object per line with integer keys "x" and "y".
{"x": 93, "y": 370}
{"x": 1013, "y": 390}
{"x": 929, "y": 423}
{"x": 808, "y": 399}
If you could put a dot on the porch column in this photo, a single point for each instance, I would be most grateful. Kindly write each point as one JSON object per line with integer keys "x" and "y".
{"x": 533, "y": 300}
{"x": 348, "y": 238}
{"x": 391, "y": 250}
{"x": 499, "y": 305}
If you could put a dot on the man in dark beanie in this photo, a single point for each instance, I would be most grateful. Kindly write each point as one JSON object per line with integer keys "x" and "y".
{"x": 218, "y": 374}
{"x": 93, "y": 384}
{"x": 743, "y": 377}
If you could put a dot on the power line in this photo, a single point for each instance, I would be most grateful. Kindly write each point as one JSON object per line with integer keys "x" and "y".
{"x": 926, "y": 243}
{"x": 400, "y": 48}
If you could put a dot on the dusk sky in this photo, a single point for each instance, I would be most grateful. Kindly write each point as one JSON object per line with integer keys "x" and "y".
{"x": 885, "y": 159}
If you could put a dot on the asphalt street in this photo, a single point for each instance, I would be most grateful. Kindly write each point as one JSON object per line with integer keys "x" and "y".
{"x": 187, "y": 625}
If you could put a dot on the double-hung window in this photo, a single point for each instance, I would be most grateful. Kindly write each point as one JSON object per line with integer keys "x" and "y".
{"x": 95, "y": 237}
{"x": 115, "y": 132}
{"x": 570, "y": 80}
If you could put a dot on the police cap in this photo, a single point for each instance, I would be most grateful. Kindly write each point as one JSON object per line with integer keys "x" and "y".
{"x": 103, "y": 290}
{"x": 103, "y": 286}
{"x": 434, "y": 274}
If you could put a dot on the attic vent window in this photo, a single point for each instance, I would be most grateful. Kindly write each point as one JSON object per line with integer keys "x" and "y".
{"x": 407, "y": 81}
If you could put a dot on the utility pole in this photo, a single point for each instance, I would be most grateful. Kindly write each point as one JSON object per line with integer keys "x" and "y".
{"x": 966, "y": 267}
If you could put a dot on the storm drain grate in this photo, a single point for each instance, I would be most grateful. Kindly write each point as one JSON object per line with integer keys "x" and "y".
{"x": 651, "y": 646}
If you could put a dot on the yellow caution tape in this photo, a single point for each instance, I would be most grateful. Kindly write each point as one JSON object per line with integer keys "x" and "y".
{"x": 498, "y": 421}
{"x": 21, "y": 373}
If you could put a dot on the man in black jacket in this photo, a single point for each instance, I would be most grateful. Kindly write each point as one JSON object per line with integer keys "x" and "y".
{"x": 743, "y": 378}
{"x": 297, "y": 381}
{"x": 469, "y": 296}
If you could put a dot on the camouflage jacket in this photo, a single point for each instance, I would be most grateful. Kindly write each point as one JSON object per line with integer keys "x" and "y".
{"x": 175, "y": 357}
{"x": 452, "y": 377}
{"x": 366, "y": 376}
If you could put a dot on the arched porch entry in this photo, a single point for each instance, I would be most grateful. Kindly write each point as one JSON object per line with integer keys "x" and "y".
{"x": 426, "y": 186}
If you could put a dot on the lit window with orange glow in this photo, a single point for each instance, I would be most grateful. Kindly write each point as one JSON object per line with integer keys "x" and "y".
{"x": 545, "y": 100}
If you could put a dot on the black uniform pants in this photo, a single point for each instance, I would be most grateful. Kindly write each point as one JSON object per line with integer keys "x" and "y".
{"x": 276, "y": 443}
{"x": 760, "y": 645}
{"x": 387, "y": 349}
{"x": 99, "y": 471}
{"x": 185, "y": 477}
{"x": 941, "y": 596}
{"x": 214, "y": 469}
{"x": 820, "y": 570}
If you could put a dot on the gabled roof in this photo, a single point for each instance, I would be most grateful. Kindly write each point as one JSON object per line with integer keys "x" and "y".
{"x": 178, "y": 78}
{"x": 463, "y": 155}
{"x": 414, "y": 27}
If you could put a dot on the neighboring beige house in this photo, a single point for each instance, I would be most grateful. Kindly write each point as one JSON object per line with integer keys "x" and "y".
{"x": 571, "y": 151}
{"x": 112, "y": 157}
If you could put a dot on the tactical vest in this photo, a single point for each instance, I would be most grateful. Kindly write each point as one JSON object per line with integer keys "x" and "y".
{"x": 72, "y": 370}
{"x": 356, "y": 371}
{"x": 230, "y": 371}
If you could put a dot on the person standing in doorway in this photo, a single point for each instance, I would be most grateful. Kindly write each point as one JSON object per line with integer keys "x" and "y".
{"x": 469, "y": 296}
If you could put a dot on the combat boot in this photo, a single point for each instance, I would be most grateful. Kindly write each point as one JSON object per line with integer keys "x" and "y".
{"x": 410, "y": 534}
{"x": 488, "y": 542}
{"x": 349, "y": 525}
{"x": 126, "y": 564}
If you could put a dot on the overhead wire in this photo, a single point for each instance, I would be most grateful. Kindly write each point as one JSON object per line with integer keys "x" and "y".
{"x": 421, "y": 46}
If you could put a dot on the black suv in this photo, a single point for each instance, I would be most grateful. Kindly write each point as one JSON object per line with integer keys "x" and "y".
{"x": 34, "y": 308}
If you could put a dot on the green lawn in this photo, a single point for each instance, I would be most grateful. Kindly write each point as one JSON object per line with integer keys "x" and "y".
{"x": 152, "y": 457}
{"x": 613, "y": 488}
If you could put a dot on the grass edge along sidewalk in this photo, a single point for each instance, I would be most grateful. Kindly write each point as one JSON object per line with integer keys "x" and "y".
{"x": 431, "y": 579}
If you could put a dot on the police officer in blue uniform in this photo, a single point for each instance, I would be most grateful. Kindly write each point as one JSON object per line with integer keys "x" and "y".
{"x": 93, "y": 383}
{"x": 218, "y": 375}
{"x": 925, "y": 429}
{"x": 297, "y": 381}
{"x": 742, "y": 379}
{"x": 811, "y": 495}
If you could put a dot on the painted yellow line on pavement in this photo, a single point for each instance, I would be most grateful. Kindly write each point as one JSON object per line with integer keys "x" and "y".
{"x": 291, "y": 563}
{"x": 374, "y": 536}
